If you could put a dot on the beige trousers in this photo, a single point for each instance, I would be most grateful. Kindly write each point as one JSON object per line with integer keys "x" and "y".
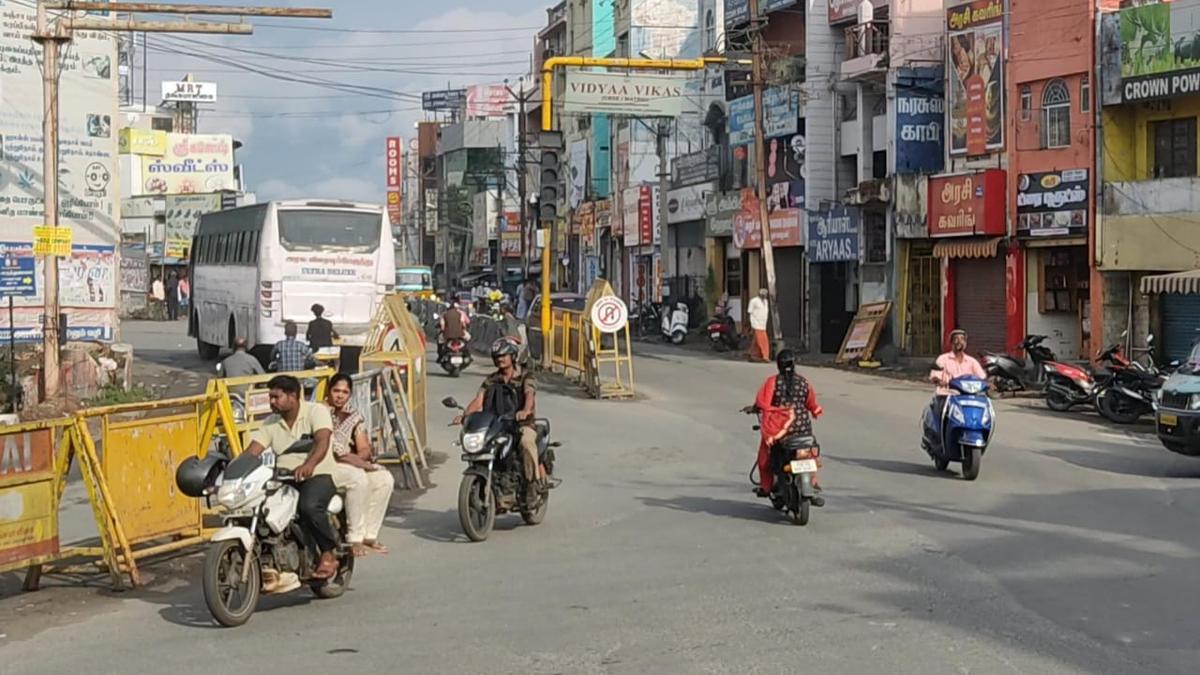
{"x": 529, "y": 452}
{"x": 367, "y": 497}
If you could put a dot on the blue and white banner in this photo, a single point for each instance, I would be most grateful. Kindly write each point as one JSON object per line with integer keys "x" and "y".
{"x": 920, "y": 120}
{"x": 781, "y": 115}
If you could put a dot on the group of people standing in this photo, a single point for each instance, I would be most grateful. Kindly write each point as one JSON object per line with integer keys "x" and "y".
{"x": 176, "y": 292}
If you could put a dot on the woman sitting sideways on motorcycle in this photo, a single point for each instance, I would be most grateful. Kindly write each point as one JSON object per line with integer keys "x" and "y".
{"x": 788, "y": 405}
{"x": 368, "y": 485}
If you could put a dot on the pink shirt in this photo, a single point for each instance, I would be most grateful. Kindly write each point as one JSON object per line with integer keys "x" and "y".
{"x": 950, "y": 367}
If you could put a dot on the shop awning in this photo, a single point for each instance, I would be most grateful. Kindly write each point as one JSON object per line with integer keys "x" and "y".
{"x": 1179, "y": 282}
{"x": 967, "y": 248}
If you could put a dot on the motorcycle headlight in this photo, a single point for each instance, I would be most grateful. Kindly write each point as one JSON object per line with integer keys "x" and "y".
{"x": 473, "y": 443}
{"x": 1194, "y": 402}
{"x": 232, "y": 496}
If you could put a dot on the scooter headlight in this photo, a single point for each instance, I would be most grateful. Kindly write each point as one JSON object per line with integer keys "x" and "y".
{"x": 956, "y": 414}
{"x": 473, "y": 443}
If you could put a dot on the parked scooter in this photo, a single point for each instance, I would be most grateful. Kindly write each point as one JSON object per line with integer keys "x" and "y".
{"x": 1010, "y": 374}
{"x": 1069, "y": 386}
{"x": 675, "y": 324}
{"x": 721, "y": 330}
{"x": 965, "y": 427}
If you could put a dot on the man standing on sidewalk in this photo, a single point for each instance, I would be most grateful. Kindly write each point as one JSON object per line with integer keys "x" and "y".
{"x": 758, "y": 311}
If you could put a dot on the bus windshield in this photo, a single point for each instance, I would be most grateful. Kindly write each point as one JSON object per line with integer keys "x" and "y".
{"x": 313, "y": 229}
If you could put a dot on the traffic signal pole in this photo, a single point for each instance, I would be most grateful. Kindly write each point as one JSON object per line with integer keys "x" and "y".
{"x": 548, "y": 70}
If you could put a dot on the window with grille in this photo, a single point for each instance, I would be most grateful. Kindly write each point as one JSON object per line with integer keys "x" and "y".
{"x": 1175, "y": 148}
{"x": 1056, "y": 115}
{"x": 1085, "y": 94}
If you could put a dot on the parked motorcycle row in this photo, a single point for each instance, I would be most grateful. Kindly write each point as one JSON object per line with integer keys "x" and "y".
{"x": 653, "y": 320}
{"x": 1121, "y": 390}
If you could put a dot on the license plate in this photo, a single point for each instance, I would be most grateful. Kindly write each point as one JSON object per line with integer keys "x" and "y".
{"x": 456, "y": 360}
{"x": 804, "y": 466}
{"x": 1169, "y": 420}
{"x": 714, "y": 335}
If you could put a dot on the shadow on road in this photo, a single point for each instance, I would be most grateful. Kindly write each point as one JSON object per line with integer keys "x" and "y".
{"x": 751, "y": 508}
{"x": 915, "y": 468}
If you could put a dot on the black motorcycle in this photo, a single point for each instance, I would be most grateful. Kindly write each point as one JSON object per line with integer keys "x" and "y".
{"x": 1012, "y": 374}
{"x": 794, "y": 464}
{"x": 1132, "y": 391}
{"x": 494, "y": 480}
{"x": 646, "y": 319}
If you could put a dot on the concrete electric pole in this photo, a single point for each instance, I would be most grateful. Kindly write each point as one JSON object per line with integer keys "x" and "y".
{"x": 760, "y": 172}
{"x": 52, "y": 35}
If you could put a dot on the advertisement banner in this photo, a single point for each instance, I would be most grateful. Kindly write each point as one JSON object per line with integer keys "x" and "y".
{"x": 909, "y": 196}
{"x": 192, "y": 163}
{"x": 18, "y": 276}
{"x": 686, "y": 204}
{"x": 781, "y": 115}
{"x": 833, "y": 234}
{"x": 487, "y": 100}
{"x": 142, "y": 142}
{"x": 737, "y": 12}
{"x": 134, "y": 274}
{"x": 747, "y": 232}
{"x": 976, "y": 73}
{"x": 1160, "y": 55}
{"x": 627, "y": 94}
{"x": 967, "y": 204}
{"x": 842, "y": 11}
{"x": 445, "y": 100}
{"x": 1052, "y": 204}
{"x": 182, "y": 215}
{"x": 920, "y": 120}
{"x": 720, "y": 208}
{"x": 394, "y": 157}
{"x": 577, "y": 167}
{"x": 646, "y": 215}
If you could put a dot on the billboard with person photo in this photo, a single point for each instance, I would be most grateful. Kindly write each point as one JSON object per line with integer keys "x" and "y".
{"x": 976, "y": 76}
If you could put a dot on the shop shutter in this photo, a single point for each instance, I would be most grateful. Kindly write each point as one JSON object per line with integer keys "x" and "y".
{"x": 981, "y": 310}
{"x": 789, "y": 287}
{"x": 1180, "y": 323}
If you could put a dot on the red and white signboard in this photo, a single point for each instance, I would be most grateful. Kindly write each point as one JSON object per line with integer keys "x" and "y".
{"x": 609, "y": 314}
{"x": 394, "y": 152}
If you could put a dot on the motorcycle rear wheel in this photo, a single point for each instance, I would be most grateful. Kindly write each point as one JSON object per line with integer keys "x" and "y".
{"x": 536, "y": 516}
{"x": 223, "y": 565}
{"x": 336, "y": 587}
{"x": 476, "y": 513}
{"x": 800, "y": 515}
{"x": 1057, "y": 402}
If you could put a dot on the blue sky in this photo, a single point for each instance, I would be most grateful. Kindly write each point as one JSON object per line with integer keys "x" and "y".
{"x": 308, "y": 141}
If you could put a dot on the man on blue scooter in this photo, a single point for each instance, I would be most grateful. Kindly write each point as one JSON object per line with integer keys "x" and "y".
{"x": 954, "y": 363}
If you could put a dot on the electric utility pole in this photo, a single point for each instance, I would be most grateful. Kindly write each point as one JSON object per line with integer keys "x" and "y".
{"x": 760, "y": 171}
{"x": 52, "y": 35}
{"x": 523, "y": 99}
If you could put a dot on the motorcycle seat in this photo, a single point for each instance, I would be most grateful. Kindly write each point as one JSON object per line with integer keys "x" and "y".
{"x": 797, "y": 442}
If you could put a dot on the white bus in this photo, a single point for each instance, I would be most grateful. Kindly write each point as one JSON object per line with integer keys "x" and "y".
{"x": 255, "y": 267}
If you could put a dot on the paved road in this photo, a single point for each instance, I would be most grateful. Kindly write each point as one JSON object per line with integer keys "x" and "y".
{"x": 1074, "y": 552}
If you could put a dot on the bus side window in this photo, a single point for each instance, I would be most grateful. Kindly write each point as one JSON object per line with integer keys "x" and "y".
{"x": 254, "y": 247}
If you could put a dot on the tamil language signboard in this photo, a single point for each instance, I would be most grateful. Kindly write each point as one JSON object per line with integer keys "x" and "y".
{"x": 189, "y": 92}
{"x": 632, "y": 94}
{"x": 920, "y": 120}
{"x": 833, "y": 234}
{"x": 192, "y": 163}
{"x": 1052, "y": 203}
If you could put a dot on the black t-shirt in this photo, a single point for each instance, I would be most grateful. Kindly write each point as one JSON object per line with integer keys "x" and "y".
{"x": 507, "y": 398}
{"x": 320, "y": 333}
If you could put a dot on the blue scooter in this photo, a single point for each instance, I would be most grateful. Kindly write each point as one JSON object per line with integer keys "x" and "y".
{"x": 965, "y": 428}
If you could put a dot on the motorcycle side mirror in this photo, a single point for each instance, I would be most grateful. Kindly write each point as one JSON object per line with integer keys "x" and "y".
{"x": 449, "y": 402}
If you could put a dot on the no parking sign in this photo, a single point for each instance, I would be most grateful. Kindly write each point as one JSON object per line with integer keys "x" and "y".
{"x": 609, "y": 314}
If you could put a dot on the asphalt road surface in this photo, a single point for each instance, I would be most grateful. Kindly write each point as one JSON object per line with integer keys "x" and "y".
{"x": 1073, "y": 552}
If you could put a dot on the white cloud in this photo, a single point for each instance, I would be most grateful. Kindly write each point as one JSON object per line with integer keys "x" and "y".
{"x": 347, "y": 188}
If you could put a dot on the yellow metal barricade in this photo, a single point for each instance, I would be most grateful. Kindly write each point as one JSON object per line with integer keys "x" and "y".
{"x": 30, "y": 490}
{"x": 397, "y": 341}
{"x": 568, "y": 350}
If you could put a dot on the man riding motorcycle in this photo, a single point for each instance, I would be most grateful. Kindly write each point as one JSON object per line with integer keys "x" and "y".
{"x": 788, "y": 404}
{"x": 517, "y": 396}
{"x": 954, "y": 363}
{"x": 453, "y": 325}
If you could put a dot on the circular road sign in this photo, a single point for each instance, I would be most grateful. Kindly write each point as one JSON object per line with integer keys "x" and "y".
{"x": 610, "y": 314}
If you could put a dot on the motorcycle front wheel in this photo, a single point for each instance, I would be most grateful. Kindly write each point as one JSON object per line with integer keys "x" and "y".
{"x": 972, "y": 462}
{"x": 231, "y": 599}
{"x": 1117, "y": 408}
{"x": 476, "y": 513}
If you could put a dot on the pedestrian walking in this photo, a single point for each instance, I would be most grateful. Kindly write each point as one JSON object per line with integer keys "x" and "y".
{"x": 173, "y": 297}
{"x": 759, "y": 311}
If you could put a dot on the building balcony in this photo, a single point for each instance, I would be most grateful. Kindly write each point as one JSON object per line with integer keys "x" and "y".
{"x": 866, "y": 50}
{"x": 1150, "y": 225}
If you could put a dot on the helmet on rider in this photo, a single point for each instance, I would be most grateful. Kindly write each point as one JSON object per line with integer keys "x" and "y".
{"x": 785, "y": 360}
{"x": 504, "y": 347}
